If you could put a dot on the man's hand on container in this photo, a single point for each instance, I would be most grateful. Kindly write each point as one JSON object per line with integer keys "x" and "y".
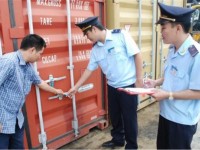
{"x": 59, "y": 92}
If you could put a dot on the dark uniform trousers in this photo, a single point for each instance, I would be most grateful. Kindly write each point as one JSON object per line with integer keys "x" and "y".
{"x": 123, "y": 115}
{"x": 172, "y": 135}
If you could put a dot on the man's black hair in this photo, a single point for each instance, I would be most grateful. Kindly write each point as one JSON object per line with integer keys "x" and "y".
{"x": 185, "y": 25}
{"x": 33, "y": 40}
{"x": 100, "y": 26}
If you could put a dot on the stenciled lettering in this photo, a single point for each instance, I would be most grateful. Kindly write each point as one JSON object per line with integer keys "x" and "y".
{"x": 86, "y": 5}
{"x": 80, "y": 39}
{"x": 52, "y": 3}
{"x": 47, "y": 40}
{"x": 80, "y": 5}
{"x": 46, "y": 21}
{"x": 49, "y": 59}
{"x": 83, "y": 55}
{"x": 79, "y": 19}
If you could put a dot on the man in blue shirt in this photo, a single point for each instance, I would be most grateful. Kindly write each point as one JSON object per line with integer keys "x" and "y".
{"x": 179, "y": 96}
{"x": 120, "y": 60}
{"x": 16, "y": 77}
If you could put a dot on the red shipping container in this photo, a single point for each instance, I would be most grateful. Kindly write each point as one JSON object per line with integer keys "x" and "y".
{"x": 52, "y": 122}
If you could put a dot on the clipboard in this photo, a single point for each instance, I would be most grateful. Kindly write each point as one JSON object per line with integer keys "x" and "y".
{"x": 136, "y": 91}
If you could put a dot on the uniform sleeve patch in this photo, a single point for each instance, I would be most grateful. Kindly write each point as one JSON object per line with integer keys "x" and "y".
{"x": 193, "y": 50}
{"x": 116, "y": 31}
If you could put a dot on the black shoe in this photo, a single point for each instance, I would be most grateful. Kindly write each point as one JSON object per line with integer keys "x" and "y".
{"x": 111, "y": 144}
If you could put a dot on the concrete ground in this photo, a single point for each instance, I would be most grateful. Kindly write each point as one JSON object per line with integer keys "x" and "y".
{"x": 147, "y": 120}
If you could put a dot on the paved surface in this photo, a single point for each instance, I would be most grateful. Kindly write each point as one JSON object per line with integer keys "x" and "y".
{"x": 147, "y": 120}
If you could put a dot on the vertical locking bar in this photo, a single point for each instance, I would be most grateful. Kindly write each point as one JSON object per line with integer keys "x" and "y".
{"x": 75, "y": 121}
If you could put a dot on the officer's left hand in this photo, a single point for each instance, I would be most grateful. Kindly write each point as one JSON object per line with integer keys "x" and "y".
{"x": 159, "y": 94}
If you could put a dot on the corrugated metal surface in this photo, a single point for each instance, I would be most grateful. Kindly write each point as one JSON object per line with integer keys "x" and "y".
{"x": 50, "y": 21}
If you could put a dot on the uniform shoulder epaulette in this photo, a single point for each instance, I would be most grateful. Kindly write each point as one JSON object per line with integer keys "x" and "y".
{"x": 193, "y": 50}
{"x": 94, "y": 44}
{"x": 116, "y": 31}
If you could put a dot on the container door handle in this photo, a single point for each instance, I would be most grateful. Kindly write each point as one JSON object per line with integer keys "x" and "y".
{"x": 52, "y": 80}
{"x": 60, "y": 97}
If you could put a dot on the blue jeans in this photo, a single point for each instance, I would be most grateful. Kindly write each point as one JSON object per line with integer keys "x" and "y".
{"x": 13, "y": 141}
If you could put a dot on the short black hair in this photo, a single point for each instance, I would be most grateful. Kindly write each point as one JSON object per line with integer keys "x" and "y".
{"x": 97, "y": 25}
{"x": 33, "y": 40}
{"x": 185, "y": 25}
{"x": 100, "y": 26}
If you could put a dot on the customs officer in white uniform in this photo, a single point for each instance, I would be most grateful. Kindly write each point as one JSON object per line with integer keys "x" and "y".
{"x": 179, "y": 95}
{"x": 120, "y": 60}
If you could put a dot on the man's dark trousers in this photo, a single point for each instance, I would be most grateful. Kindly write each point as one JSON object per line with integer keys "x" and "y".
{"x": 13, "y": 141}
{"x": 123, "y": 114}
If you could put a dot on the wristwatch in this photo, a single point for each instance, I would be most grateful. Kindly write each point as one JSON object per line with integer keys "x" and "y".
{"x": 171, "y": 96}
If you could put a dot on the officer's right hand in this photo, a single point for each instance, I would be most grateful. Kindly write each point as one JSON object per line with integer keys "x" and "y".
{"x": 149, "y": 83}
{"x": 72, "y": 92}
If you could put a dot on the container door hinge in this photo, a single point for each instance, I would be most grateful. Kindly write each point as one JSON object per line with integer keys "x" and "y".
{"x": 70, "y": 67}
{"x": 60, "y": 97}
{"x": 17, "y": 32}
{"x": 43, "y": 139}
{"x": 75, "y": 127}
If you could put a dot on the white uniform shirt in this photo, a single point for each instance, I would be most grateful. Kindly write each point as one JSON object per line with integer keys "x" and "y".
{"x": 182, "y": 72}
{"x": 116, "y": 58}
